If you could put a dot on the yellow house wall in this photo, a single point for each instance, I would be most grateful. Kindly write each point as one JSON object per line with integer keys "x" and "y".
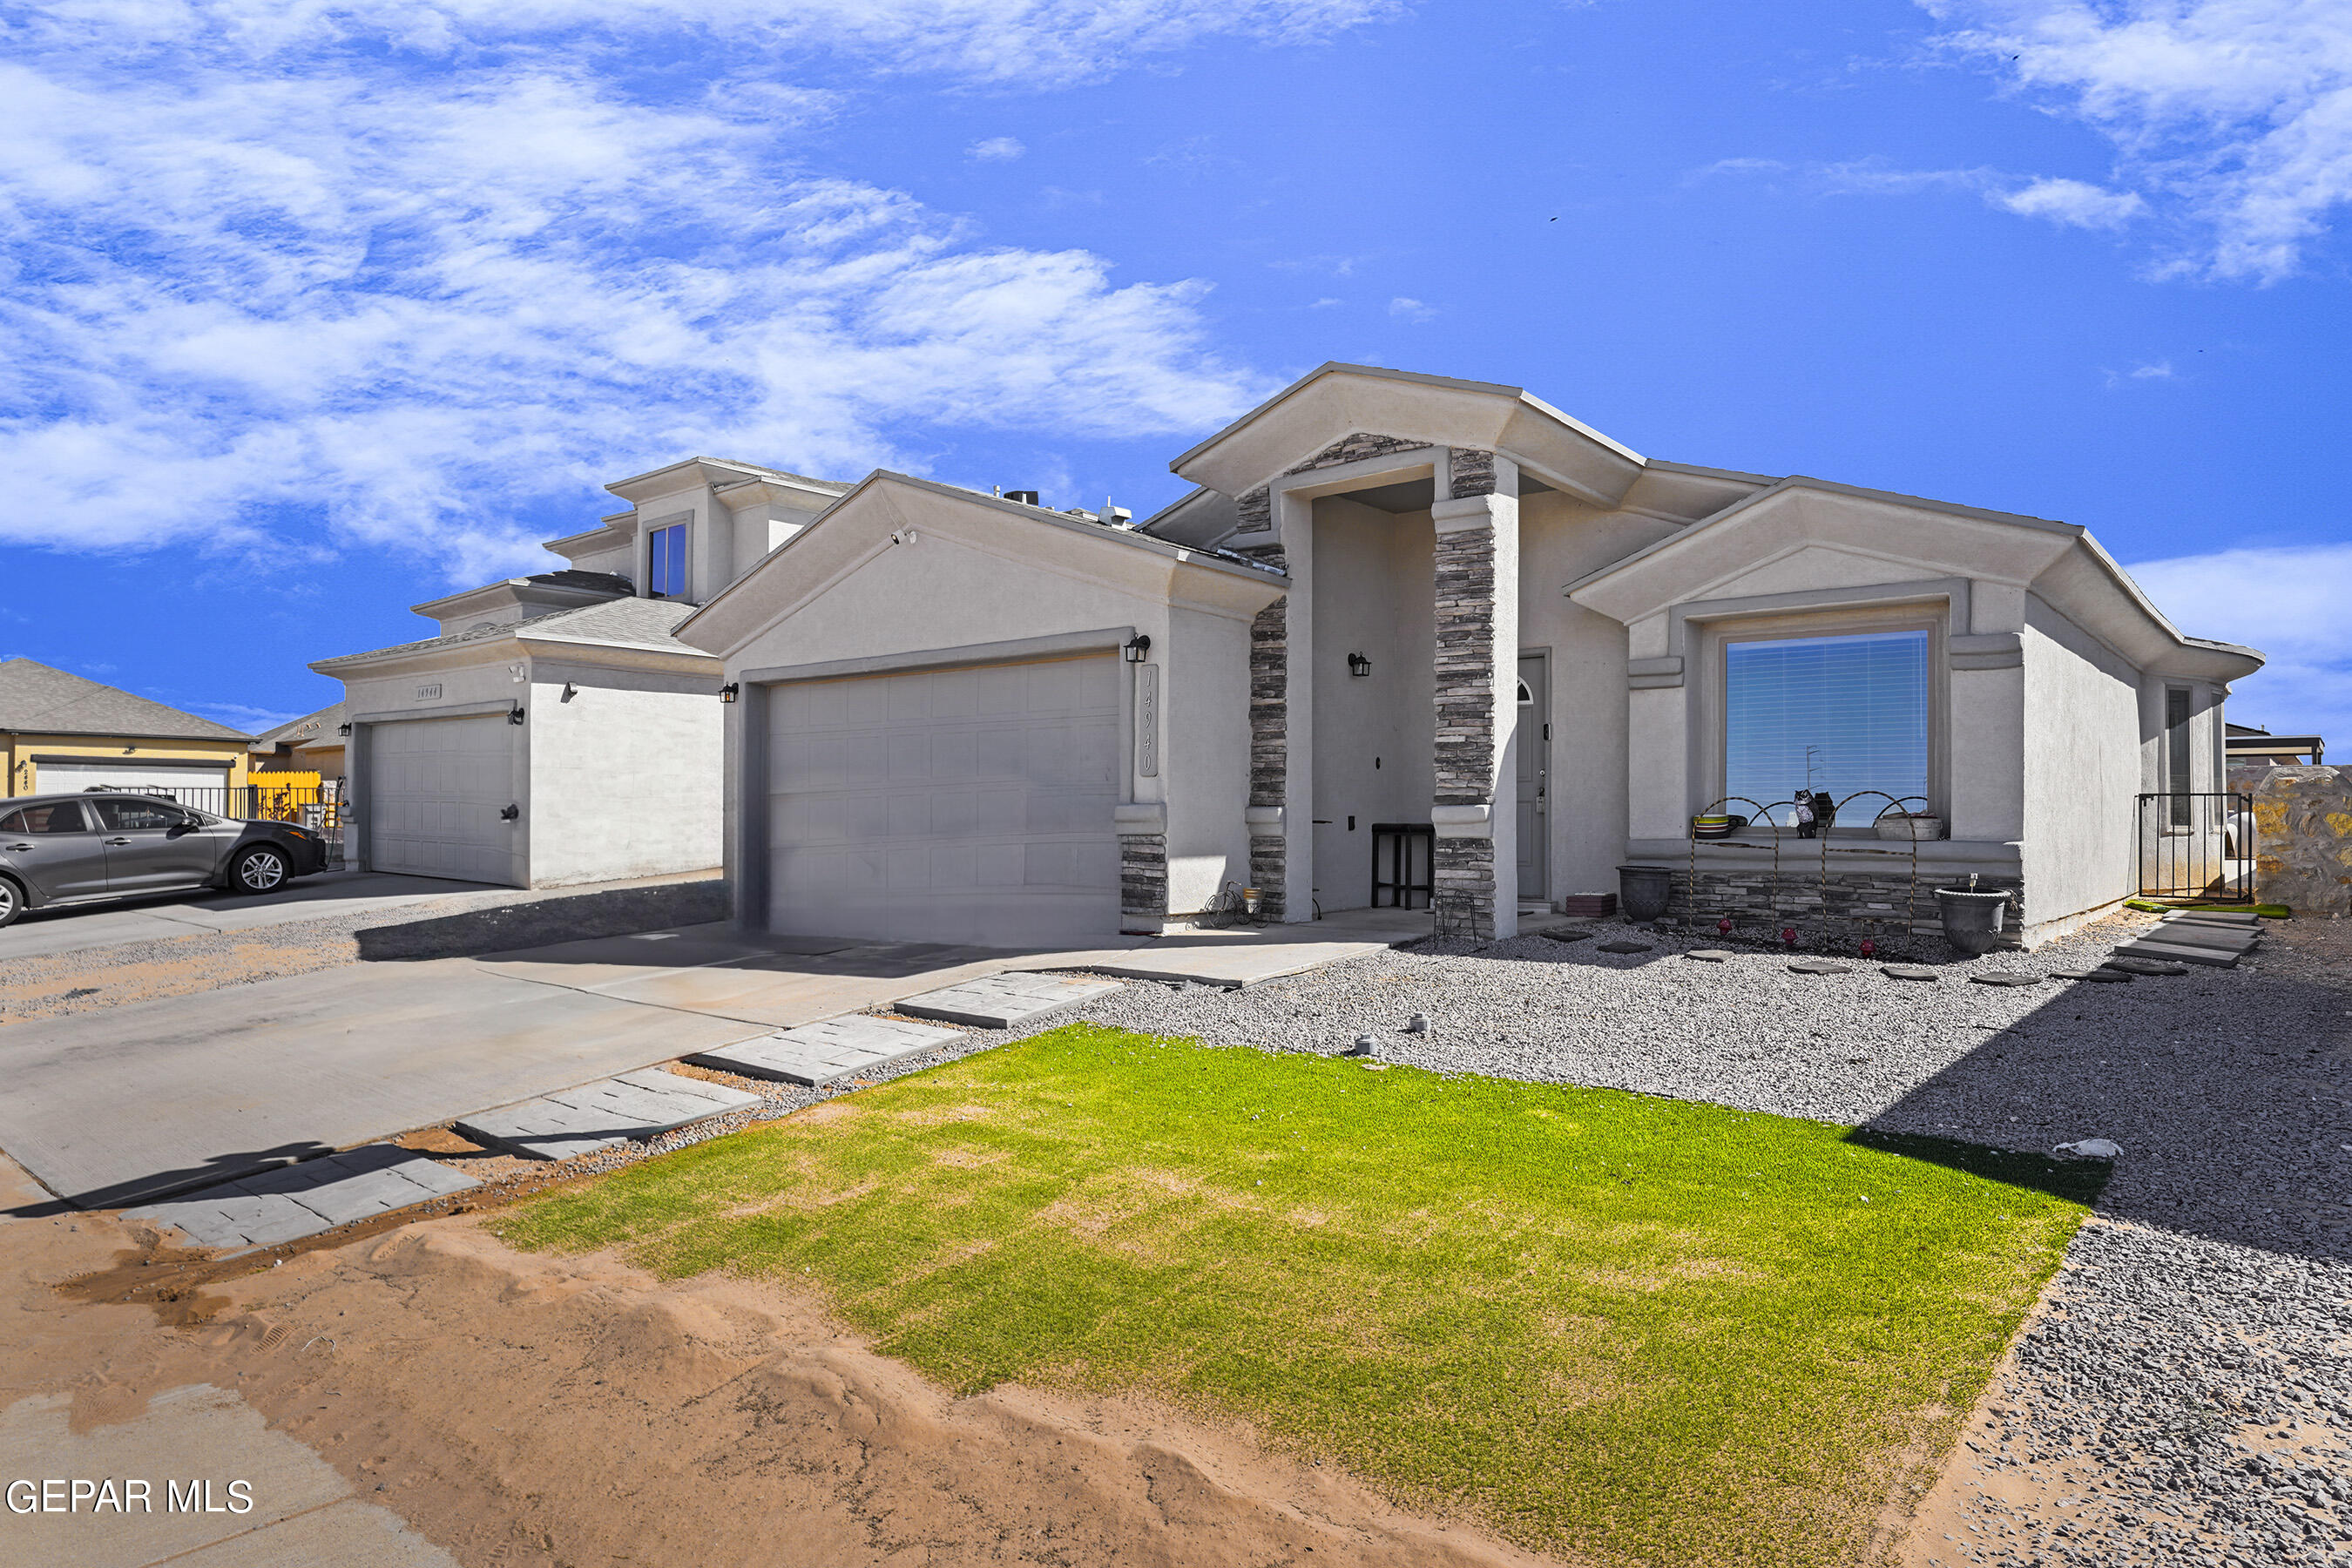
{"x": 23, "y": 774}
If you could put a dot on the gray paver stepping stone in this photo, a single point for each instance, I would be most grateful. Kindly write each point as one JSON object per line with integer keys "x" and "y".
{"x": 2103, "y": 974}
{"x": 2218, "y": 917}
{"x": 2145, "y": 967}
{"x": 1908, "y": 972}
{"x": 2004, "y": 977}
{"x": 2180, "y": 953}
{"x": 603, "y": 1114}
{"x": 1819, "y": 967}
{"x": 1001, "y": 1001}
{"x": 818, "y": 1054}
{"x": 1709, "y": 954}
{"x": 294, "y": 1201}
{"x": 1623, "y": 947}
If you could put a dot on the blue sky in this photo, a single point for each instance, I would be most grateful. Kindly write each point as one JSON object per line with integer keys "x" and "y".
{"x": 317, "y": 310}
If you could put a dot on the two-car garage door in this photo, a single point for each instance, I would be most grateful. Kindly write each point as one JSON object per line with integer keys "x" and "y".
{"x": 436, "y": 788}
{"x": 968, "y": 805}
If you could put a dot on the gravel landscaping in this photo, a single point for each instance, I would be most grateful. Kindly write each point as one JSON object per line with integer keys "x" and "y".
{"x": 2187, "y": 1396}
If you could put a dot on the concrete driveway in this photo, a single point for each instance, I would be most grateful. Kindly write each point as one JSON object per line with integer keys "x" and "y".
{"x": 133, "y": 1102}
{"x": 42, "y": 933}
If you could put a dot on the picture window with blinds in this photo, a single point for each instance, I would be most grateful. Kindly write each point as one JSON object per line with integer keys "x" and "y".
{"x": 1829, "y": 715}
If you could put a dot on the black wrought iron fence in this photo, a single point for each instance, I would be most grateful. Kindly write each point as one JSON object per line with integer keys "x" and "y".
{"x": 318, "y": 807}
{"x": 2197, "y": 845}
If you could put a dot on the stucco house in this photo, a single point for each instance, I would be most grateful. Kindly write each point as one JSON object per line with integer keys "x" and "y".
{"x": 1443, "y": 607}
{"x": 60, "y": 731}
{"x": 554, "y": 731}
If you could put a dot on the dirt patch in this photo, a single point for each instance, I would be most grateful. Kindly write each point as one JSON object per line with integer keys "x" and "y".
{"x": 518, "y": 1407}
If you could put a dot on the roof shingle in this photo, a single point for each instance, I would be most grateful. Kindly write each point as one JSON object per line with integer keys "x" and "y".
{"x": 36, "y": 698}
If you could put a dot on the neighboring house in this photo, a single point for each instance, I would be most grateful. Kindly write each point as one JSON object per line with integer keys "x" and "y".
{"x": 2253, "y": 753}
{"x": 555, "y": 732}
{"x": 1404, "y": 599}
{"x": 61, "y": 732}
{"x": 313, "y": 743}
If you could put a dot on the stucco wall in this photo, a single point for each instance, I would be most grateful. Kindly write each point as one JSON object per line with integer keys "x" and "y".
{"x": 1561, "y": 540}
{"x": 1374, "y": 594}
{"x": 20, "y": 774}
{"x": 2080, "y": 769}
{"x": 624, "y": 778}
{"x": 1204, "y": 719}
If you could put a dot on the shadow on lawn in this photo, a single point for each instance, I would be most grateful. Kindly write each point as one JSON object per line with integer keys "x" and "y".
{"x": 2076, "y": 1181}
{"x": 2228, "y": 1090}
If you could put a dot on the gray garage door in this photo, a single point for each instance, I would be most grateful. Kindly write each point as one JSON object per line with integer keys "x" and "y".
{"x": 436, "y": 788}
{"x": 968, "y": 805}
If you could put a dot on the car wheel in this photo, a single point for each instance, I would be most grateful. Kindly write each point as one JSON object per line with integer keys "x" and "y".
{"x": 12, "y": 901}
{"x": 262, "y": 870}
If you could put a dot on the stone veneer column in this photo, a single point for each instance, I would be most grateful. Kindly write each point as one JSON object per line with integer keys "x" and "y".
{"x": 1143, "y": 867}
{"x": 1478, "y": 589}
{"x": 1269, "y": 714}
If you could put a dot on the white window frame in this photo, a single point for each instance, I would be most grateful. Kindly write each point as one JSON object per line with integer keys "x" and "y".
{"x": 1710, "y": 714}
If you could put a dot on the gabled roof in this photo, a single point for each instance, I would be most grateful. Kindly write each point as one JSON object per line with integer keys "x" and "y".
{"x": 712, "y": 471}
{"x": 645, "y": 623}
{"x": 36, "y": 698}
{"x": 309, "y": 727}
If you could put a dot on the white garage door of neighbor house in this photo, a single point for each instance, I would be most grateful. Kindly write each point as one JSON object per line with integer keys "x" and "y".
{"x": 60, "y": 777}
{"x": 436, "y": 788}
{"x": 968, "y": 805}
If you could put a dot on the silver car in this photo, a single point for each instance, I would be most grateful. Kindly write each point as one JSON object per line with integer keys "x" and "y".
{"x": 79, "y": 848}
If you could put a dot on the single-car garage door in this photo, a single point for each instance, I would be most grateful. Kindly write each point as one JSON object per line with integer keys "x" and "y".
{"x": 205, "y": 787}
{"x": 436, "y": 788}
{"x": 969, "y": 805}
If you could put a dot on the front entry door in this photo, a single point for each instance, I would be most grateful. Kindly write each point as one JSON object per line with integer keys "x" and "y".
{"x": 1534, "y": 773}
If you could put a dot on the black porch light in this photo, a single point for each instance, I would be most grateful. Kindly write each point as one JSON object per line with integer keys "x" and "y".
{"x": 1136, "y": 647}
{"x": 1359, "y": 665}
{"x": 726, "y": 693}
{"x": 514, "y": 714}
{"x": 343, "y": 729}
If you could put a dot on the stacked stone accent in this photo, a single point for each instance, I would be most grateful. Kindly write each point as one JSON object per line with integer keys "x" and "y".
{"x": 1269, "y": 734}
{"x": 1463, "y": 869}
{"x": 1826, "y": 912}
{"x": 1472, "y": 472}
{"x": 1257, "y": 507}
{"x": 1143, "y": 877}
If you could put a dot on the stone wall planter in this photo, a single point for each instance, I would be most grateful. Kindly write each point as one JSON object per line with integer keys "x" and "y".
{"x": 1903, "y": 830}
{"x": 1972, "y": 920}
{"x": 1644, "y": 891}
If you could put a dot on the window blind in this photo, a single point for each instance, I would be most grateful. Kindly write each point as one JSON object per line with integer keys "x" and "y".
{"x": 1834, "y": 715}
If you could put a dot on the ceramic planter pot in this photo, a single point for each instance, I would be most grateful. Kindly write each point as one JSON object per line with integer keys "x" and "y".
{"x": 1972, "y": 922}
{"x": 1642, "y": 891}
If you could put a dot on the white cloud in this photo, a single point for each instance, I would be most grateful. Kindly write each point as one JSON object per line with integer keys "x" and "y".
{"x": 2073, "y": 203}
{"x": 2288, "y": 601}
{"x": 2239, "y": 111}
{"x": 997, "y": 150}
{"x": 417, "y": 301}
{"x": 1409, "y": 310}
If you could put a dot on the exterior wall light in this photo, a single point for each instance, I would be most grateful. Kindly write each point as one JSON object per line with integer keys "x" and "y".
{"x": 1136, "y": 647}
{"x": 570, "y": 691}
{"x": 1359, "y": 665}
{"x": 728, "y": 692}
{"x": 514, "y": 714}
{"x": 343, "y": 729}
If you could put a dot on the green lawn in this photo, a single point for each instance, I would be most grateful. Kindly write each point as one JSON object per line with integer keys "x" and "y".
{"x": 1634, "y": 1329}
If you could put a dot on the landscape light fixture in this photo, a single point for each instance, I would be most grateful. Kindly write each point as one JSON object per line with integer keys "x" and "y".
{"x": 726, "y": 693}
{"x": 1359, "y": 665}
{"x": 1136, "y": 647}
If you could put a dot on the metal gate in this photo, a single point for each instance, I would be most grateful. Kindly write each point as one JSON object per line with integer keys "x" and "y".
{"x": 2197, "y": 847}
